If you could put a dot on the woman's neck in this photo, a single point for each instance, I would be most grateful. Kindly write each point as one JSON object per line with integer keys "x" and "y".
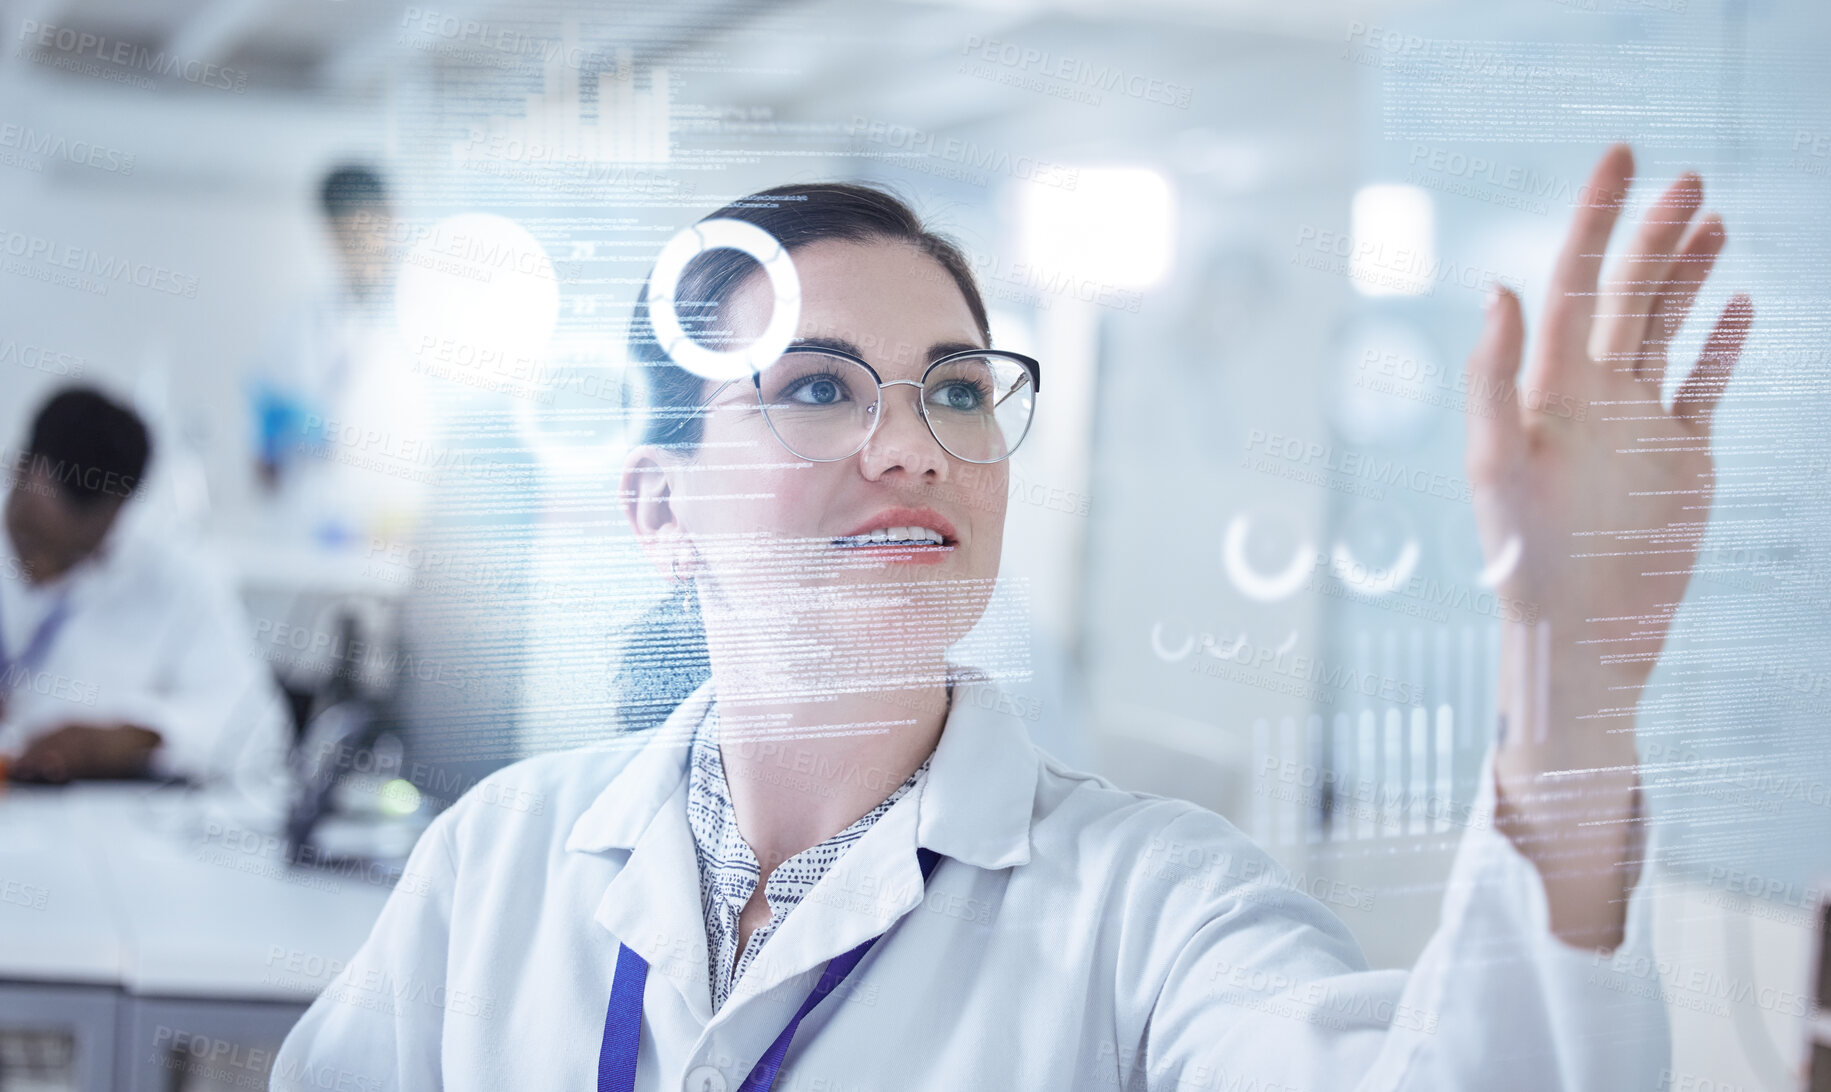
{"x": 800, "y": 772}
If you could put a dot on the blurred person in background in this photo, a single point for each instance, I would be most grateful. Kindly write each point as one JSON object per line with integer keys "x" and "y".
{"x": 120, "y": 656}
{"x": 333, "y": 393}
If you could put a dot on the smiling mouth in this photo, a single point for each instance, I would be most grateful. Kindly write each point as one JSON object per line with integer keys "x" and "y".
{"x": 898, "y": 537}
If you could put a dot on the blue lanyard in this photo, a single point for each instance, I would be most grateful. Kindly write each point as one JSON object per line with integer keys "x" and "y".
{"x": 623, "y": 1019}
{"x": 35, "y": 647}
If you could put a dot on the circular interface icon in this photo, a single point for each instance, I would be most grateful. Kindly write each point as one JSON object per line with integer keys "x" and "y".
{"x": 719, "y": 365}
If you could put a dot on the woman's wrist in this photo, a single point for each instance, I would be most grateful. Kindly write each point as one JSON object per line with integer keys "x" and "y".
{"x": 1566, "y": 777}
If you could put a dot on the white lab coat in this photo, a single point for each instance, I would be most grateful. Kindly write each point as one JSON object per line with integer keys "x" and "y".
{"x": 1074, "y": 935}
{"x": 152, "y": 638}
{"x": 374, "y": 446}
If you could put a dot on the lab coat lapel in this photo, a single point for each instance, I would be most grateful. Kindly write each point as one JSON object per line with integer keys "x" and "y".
{"x": 653, "y": 905}
{"x": 981, "y": 786}
{"x": 865, "y": 892}
{"x": 653, "y": 902}
{"x": 974, "y": 807}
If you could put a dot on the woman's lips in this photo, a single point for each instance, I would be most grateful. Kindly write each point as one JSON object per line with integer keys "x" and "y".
{"x": 904, "y": 520}
{"x": 901, "y": 536}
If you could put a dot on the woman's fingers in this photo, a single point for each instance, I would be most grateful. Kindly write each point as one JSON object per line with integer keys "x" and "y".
{"x": 1495, "y": 428}
{"x": 1689, "y": 269}
{"x": 1640, "y": 277}
{"x": 1570, "y": 308}
{"x": 1698, "y": 395}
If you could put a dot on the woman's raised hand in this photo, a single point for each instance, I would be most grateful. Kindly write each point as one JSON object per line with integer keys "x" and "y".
{"x": 1593, "y": 497}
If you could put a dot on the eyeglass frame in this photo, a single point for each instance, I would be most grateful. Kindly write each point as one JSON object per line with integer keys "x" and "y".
{"x": 1031, "y": 365}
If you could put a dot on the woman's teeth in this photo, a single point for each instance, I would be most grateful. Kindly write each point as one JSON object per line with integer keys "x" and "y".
{"x": 898, "y": 536}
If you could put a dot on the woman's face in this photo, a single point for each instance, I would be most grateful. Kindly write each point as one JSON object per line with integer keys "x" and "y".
{"x": 771, "y": 538}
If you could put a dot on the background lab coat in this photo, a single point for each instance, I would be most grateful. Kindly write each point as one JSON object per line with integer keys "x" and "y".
{"x": 1074, "y": 935}
{"x": 154, "y": 638}
{"x": 339, "y": 364}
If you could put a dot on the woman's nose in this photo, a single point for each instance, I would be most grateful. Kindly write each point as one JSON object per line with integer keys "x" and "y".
{"x": 902, "y": 439}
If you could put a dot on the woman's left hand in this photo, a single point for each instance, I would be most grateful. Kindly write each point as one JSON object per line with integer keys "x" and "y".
{"x": 1593, "y": 497}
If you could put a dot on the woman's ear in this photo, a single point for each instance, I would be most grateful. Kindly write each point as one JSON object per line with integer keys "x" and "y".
{"x": 647, "y": 489}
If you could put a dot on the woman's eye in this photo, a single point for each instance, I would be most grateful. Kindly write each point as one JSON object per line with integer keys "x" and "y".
{"x": 959, "y": 396}
{"x": 818, "y": 392}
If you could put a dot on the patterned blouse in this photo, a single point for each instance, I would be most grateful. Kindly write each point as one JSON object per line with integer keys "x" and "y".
{"x": 728, "y": 870}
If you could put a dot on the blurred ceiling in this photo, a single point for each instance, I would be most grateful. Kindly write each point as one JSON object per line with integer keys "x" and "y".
{"x": 349, "y": 47}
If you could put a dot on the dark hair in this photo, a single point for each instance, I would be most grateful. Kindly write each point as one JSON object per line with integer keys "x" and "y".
{"x": 351, "y": 188}
{"x": 92, "y": 447}
{"x": 665, "y": 659}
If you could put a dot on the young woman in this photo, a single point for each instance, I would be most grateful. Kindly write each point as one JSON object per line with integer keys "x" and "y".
{"x": 832, "y": 866}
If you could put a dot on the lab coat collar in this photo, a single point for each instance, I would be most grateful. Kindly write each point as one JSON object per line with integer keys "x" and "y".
{"x": 981, "y": 785}
{"x": 974, "y": 807}
{"x": 653, "y": 903}
{"x": 866, "y": 891}
{"x": 617, "y": 818}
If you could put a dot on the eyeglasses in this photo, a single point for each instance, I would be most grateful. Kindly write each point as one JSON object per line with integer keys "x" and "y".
{"x": 824, "y": 404}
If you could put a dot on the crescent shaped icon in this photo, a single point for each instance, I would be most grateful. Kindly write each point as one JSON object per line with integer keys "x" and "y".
{"x": 1164, "y": 654}
{"x": 1252, "y": 583}
{"x": 715, "y": 364}
{"x": 1342, "y": 563}
{"x": 1497, "y": 571}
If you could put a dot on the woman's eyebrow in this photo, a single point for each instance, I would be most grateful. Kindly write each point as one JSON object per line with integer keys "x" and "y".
{"x": 945, "y": 348}
{"x": 935, "y": 352}
{"x": 837, "y": 343}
